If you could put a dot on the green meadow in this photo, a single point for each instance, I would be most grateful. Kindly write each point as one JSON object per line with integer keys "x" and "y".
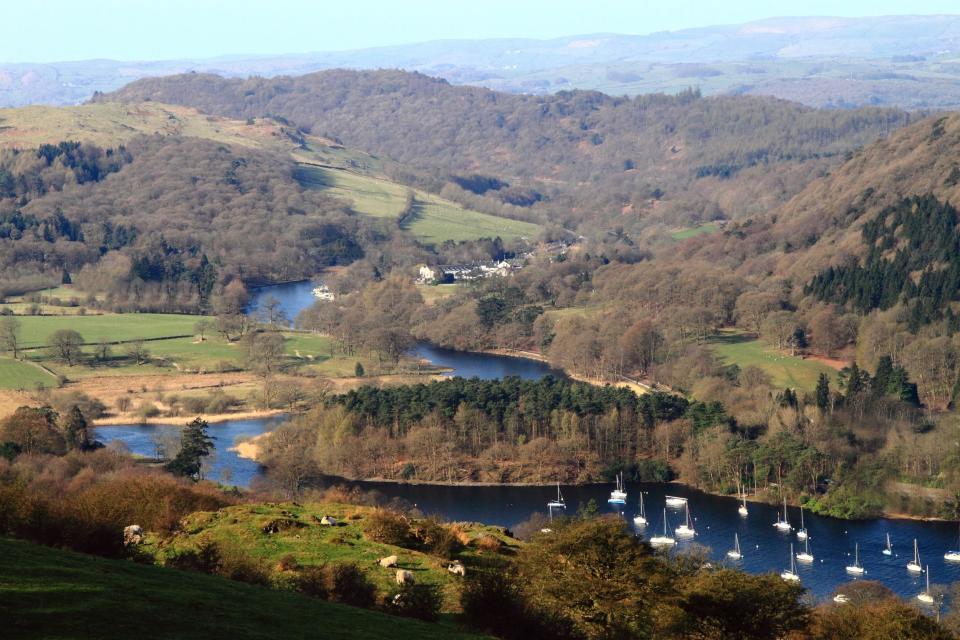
{"x": 707, "y": 227}
{"x": 784, "y": 370}
{"x": 434, "y": 220}
{"x": 23, "y": 375}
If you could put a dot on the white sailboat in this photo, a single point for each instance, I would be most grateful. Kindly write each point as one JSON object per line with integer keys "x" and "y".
{"x": 791, "y": 575}
{"x": 665, "y": 540}
{"x": 640, "y": 519}
{"x": 856, "y": 568}
{"x": 734, "y": 554}
{"x": 954, "y": 554}
{"x": 784, "y": 524}
{"x": 805, "y": 556}
{"x": 675, "y": 502}
{"x": 888, "y": 550}
{"x": 618, "y": 495}
{"x": 742, "y": 509}
{"x": 802, "y": 531}
{"x": 926, "y": 597}
{"x": 686, "y": 530}
{"x": 558, "y": 503}
{"x": 914, "y": 565}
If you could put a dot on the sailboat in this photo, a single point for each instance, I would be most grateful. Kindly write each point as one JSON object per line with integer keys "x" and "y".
{"x": 802, "y": 531}
{"x": 805, "y": 556}
{"x": 675, "y": 502}
{"x": 791, "y": 575}
{"x": 742, "y": 510}
{"x": 926, "y": 597}
{"x": 618, "y": 495}
{"x": 640, "y": 519}
{"x": 953, "y": 555}
{"x": 665, "y": 540}
{"x": 888, "y": 550}
{"x": 686, "y": 530}
{"x": 558, "y": 503}
{"x": 783, "y": 525}
{"x": 856, "y": 568}
{"x": 734, "y": 554}
{"x": 914, "y": 565}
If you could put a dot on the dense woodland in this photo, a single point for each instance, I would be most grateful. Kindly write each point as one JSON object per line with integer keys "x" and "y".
{"x": 573, "y": 158}
{"x": 165, "y": 223}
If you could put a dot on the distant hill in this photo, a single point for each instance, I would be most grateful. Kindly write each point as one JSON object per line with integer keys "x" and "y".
{"x": 573, "y": 156}
{"x": 906, "y": 61}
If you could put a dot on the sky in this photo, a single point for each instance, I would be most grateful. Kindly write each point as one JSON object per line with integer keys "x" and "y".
{"x": 60, "y": 30}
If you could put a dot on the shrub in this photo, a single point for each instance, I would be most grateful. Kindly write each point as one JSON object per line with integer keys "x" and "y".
{"x": 312, "y": 581}
{"x": 388, "y": 527}
{"x": 287, "y": 563}
{"x": 205, "y": 558}
{"x": 514, "y": 617}
{"x": 438, "y": 539}
{"x": 148, "y": 410}
{"x": 346, "y": 583}
{"x": 421, "y": 601}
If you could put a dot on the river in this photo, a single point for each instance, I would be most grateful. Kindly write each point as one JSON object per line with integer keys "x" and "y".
{"x": 716, "y": 519}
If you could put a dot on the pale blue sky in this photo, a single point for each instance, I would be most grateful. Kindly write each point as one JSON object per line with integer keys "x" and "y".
{"x": 55, "y": 30}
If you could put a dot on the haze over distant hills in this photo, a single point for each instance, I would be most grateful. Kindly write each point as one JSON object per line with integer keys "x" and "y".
{"x": 907, "y": 61}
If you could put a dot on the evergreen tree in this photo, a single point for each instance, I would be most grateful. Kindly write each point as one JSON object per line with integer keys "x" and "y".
{"x": 196, "y": 444}
{"x": 76, "y": 433}
{"x": 358, "y": 370}
{"x": 823, "y": 392}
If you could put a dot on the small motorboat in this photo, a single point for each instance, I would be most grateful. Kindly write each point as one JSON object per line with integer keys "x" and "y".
{"x": 675, "y": 502}
{"x": 841, "y": 598}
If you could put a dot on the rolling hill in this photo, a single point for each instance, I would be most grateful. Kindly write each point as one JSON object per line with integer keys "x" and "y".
{"x": 324, "y": 165}
{"x": 572, "y": 158}
{"x": 906, "y": 61}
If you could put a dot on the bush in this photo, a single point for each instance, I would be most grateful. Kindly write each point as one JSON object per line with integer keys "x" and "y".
{"x": 312, "y": 581}
{"x": 653, "y": 471}
{"x": 346, "y": 583}
{"x": 388, "y": 527}
{"x": 148, "y": 410}
{"x": 438, "y": 539}
{"x": 421, "y": 601}
{"x": 205, "y": 558}
{"x": 495, "y": 603}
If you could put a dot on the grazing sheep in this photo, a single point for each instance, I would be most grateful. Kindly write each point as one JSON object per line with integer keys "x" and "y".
{"x": 328, "y": 521}
{"x": 132, "y": 535}
{"x": 457, "y": 569}
{"x": 404, "y": 577}
{"x": 389, "y": 561}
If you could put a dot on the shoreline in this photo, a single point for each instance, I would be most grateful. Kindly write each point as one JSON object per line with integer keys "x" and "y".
{"x": 179, "y": 421}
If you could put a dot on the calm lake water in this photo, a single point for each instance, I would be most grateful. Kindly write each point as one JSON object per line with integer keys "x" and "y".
{"x": 293, "y": 297}
{"x": 716, "y": 519}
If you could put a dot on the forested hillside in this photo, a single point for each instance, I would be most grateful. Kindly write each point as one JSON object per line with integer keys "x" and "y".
{"x": 575, "y": 158}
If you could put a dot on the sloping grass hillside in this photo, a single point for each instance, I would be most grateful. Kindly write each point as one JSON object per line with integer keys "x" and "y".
{"x": 272, "y": 532}
{"x": 46, "y": 593}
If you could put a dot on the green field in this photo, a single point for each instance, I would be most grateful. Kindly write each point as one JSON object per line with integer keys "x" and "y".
{"x": 707, "y": 227}
{"x": 35, "y": 330}
{"x": 47, "y": 593}
{"x": 311, "y": 544}
{"x": 435, "y": 219}
{"x": 784, "y": 370}
{"x": 22, "y": 375}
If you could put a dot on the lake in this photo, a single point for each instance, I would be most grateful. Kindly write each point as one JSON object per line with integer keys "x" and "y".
{"x": 716, "y": 519}
{"x": 293, "y": 297}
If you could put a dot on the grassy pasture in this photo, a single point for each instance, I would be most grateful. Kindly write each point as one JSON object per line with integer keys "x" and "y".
{"x": 784, "y": 370}
{"x": 434, "y": 220}
{"x": 48, "y": 593}
{"x": 22, "y": 375}
{"x": 683, "y": 234}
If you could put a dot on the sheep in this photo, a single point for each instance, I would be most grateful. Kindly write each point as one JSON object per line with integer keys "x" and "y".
{"x": 457, "y": 569}
{"x": 389, "y": 561}
{"x": 404, "y": 577}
